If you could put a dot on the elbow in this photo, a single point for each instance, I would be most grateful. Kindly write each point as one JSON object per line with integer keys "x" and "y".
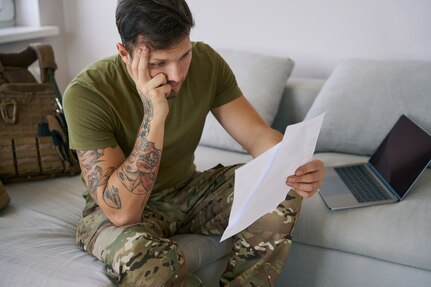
{"x": 120, "y": 220}
{"x": 264, "y": 141}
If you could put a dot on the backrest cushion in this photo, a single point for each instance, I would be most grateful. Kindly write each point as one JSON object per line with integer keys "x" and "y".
{"x": 298, "y": 96}
{"x": 364, "y": 98}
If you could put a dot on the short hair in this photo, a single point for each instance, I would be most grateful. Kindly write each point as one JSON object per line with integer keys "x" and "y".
{"x": 160, "y": 23}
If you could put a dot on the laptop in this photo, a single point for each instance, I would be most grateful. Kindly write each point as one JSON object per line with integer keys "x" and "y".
{"x": 389, "y": 174}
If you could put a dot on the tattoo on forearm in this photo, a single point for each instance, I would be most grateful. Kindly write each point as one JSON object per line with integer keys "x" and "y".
{"x": 89, "y": 158}
{"x": 148, "y": 165}
{"x": 128, "y": 178}
{"x": 111, "y": 197}
{"x": 148, "y": 116}
{"x": 95, "y": 175}
{"x": 139, "y": 172}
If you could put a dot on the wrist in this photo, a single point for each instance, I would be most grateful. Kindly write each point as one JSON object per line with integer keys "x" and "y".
{"x": 157, "y": 117}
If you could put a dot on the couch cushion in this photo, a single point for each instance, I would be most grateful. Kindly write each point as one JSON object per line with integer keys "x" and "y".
{"x": 262, "y": 79}
{"x": 37, "y": 237}
{"x": 37, "y": 232}
{"x": 364, "y": 98}
{"x": 398, "y": 232}
{"x": 298, "y": 96}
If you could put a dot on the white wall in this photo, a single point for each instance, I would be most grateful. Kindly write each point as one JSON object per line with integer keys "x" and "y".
{"x": 91, "y": 32}
{"x": 315, "y": 34}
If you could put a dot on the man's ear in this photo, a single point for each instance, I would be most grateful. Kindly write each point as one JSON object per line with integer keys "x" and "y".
{"x": 124, "y": 54}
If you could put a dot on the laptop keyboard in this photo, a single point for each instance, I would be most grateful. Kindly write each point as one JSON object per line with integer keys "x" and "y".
{"x": 363, "y": 185}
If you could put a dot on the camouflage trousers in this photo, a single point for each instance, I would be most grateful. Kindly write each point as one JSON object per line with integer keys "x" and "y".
{"x": 143, "y": 255}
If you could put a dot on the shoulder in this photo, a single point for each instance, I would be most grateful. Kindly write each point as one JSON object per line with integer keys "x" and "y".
{"x": 206, "y": 60}
{"x": 203, "y": 52}
{"x": 103, "y": 77}
{"x": 101, "y": 71}
{"x": 202, "y": 49}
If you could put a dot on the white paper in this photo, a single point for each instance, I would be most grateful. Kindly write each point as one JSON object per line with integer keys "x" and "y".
{"x": 260, "y": 185}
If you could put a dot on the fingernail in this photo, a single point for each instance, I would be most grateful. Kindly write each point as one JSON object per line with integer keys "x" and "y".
{"x": 299, "y": 172}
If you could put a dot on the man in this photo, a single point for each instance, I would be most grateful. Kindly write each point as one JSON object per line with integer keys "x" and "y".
{"x": 135, "y": 120}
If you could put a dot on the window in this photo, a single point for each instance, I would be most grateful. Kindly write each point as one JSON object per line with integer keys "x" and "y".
{"x": 7, "y": 13}
{"x": 25, "y": 22}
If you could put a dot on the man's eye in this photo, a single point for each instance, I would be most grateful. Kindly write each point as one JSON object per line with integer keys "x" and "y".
{"x": 156, "y": 65}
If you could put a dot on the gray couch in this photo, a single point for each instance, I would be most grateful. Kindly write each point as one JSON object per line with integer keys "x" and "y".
{"x": 387, "y": 245}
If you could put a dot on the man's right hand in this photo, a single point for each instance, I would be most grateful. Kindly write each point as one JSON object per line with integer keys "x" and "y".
{"x": 152, "y": 90}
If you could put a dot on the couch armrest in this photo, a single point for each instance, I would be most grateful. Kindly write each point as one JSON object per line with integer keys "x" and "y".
{"x": 298, "y": 96}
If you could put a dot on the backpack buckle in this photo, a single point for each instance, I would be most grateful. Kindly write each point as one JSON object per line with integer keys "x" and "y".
{"x": 8, "y": 110}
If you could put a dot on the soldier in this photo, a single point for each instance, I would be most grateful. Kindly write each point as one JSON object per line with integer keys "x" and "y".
{"x": 135, "y": 120}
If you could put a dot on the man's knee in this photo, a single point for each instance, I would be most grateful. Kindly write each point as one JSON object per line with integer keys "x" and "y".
{"x": 146, "y": 262}
{"x": 281, "y": 222}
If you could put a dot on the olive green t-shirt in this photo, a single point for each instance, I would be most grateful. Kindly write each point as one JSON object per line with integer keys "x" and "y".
{"x": 103, "y": 109}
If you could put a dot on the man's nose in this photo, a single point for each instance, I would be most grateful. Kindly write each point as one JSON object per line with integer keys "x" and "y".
{"x": 174, "y": 73}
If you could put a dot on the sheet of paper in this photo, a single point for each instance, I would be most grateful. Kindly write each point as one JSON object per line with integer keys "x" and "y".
{"x": 260, "y": 185}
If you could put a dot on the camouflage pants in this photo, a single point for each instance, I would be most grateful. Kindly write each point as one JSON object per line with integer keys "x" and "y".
{"x": 142, "y": 254}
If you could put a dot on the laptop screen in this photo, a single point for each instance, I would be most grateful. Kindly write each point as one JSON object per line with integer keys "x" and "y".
{"x": 403, "y": 155}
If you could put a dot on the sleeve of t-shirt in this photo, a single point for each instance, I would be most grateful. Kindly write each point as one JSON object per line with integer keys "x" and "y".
{"x": 227, "y": 88}
{"x": 89, "y": 118}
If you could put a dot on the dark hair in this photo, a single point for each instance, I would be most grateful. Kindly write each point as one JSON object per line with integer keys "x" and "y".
{"x": 160, "y": 23}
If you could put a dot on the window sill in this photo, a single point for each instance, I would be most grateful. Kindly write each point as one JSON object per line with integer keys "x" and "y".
{"x": 14, "y": 34}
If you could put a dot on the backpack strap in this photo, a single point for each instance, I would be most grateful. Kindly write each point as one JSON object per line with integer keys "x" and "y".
{"x": 45, "y": 55}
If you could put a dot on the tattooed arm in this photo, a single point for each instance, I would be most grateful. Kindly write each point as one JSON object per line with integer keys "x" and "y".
{"x": 120, "y": 186}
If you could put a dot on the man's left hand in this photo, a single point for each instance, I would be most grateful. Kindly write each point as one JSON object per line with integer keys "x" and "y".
{"x": 307, "y": 178}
